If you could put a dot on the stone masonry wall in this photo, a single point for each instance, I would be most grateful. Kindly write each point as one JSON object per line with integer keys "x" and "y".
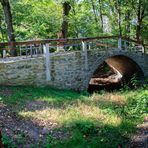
{"x": 68, "y": 70}
{"x": 22, "y": 72}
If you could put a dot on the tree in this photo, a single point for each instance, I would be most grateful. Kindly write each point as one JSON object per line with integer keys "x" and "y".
{"x": 40, "y": 19}
{"x": 3, "y": 36}
{"x": 141, "y": 9}
{"x": 8, "y": 19}
{"x": 94, "y": 11}
{"x": 118, "y": 8}
{"x": 101, "y": 15}
{"x": 64, "y": 28}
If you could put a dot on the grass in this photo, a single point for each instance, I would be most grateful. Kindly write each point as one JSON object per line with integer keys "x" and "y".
{"x": 102, "y": 119}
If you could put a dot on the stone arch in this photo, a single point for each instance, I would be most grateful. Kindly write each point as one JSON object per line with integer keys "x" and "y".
{"x": 110, "y": 54}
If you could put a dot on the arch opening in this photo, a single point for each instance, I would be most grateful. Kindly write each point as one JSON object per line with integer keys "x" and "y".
{"x": 113, "y": 72}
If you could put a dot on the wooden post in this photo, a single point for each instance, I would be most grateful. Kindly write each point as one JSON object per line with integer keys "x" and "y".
{"x": 120, "y": 43}
{"x": 84, "y": 47}
{"x": 48, "y": 62}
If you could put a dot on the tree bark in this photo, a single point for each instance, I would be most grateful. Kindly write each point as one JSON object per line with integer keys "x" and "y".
{"x": 9, "y": 24}
{"x": 64, "y": 29}
{"x": 101, "y": 17}
{"x": 119, "y": 18}
{"x": 127, "y": 18}
{"x": 118, "y": 8}
{"x": 94, "y": 11}
{"x": 127, "y": 26}
{"x": 140, "y": 16}
{"x": 75, "y": 23}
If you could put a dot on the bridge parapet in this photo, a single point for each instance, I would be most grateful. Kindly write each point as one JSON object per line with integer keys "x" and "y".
{"x": 67, "y": 70}
{"x": 71, "y": 69}
{"x": 35, "y": 48}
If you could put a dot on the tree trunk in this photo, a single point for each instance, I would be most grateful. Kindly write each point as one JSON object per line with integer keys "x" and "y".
{"x": 119, "y": 20}
{"x": 101, "y": 17}
{"x": 127, "y": 18}
{"x": 118, "y": 8}
{"x": 64, "y": 28}
{"x": 127, "y": 27}
{"x": 94, "y": 11}
{"x": 140, "y": 16}
{"x": 75, "y": 22}
{"x": 138, "y": 32}
{"x": 8, "y": 20}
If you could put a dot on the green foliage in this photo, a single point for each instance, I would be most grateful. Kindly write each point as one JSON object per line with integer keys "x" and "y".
{"x": 86, "y": 128}
{"x": 20, "y": 138}
{"x": 82, "y": 131}
{"x": 38, "y": 19}
{"x": 137, "y": 105}
{"x": 6, "y": 141}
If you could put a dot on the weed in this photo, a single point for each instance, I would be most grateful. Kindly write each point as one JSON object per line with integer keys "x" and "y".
{"x": 20, "y": 138}
{"x": 86, "y": 128}
{"x": 98, "y": 120}
{"x": 7, "y": 142}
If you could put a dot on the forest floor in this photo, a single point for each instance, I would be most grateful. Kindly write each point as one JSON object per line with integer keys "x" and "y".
{"x": 47, "y": 117}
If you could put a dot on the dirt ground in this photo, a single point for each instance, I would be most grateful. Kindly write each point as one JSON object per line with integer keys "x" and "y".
{"x": 35, "y": 131}
{"x": 26, "y": 132}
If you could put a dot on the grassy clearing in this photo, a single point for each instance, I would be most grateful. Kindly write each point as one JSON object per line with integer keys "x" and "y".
{"x": 99, "y": 120}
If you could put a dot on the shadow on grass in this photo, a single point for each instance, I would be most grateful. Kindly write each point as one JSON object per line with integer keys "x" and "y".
{"x": 80, "y": 133}
{"x": 21, "y": 94}
{"x": 86, "y": 134}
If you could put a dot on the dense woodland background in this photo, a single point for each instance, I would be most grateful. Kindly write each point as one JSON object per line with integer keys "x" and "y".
{"x": 40, "y": 19}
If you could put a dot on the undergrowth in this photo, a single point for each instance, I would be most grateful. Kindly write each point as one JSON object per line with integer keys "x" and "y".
{"x": 99, "y": 120}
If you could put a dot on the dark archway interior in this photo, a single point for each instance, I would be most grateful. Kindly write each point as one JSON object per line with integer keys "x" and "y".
{"x": 113, "y": 72}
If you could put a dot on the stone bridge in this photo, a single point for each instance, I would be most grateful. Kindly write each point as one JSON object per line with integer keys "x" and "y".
{"x": 69, "y": 70}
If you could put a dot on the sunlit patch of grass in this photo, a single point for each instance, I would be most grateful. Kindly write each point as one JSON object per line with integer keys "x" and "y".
{"x": 104, "y": 119}
{"x": 79, "y": 110}
{"x": 110, "y": 98}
